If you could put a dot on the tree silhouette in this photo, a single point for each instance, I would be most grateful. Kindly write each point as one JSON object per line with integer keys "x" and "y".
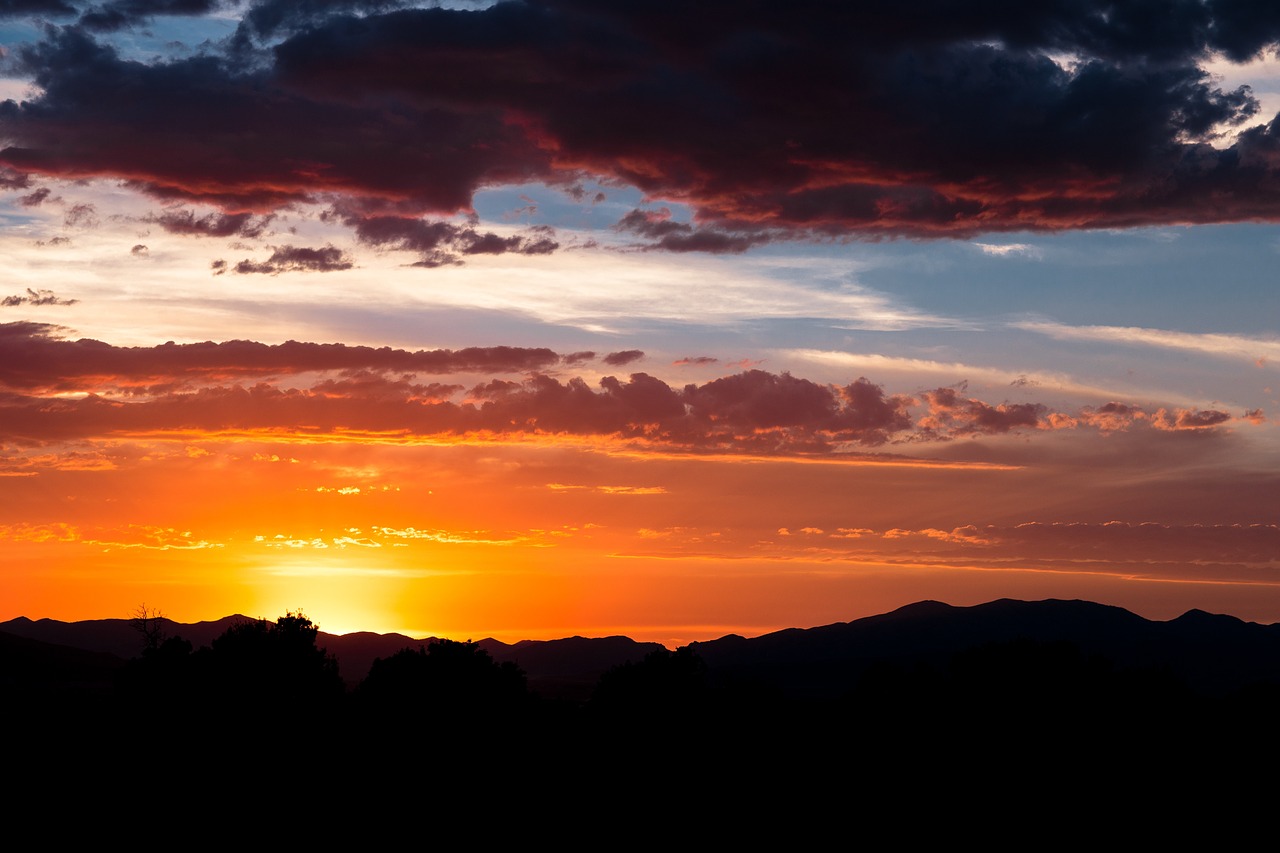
{"x": 164, "y": 668}
{"x": 149, "y": 623}
{"x": 663, "y": 682}
{"x": 445, "y": 677}
{"x": 274, "y": 663}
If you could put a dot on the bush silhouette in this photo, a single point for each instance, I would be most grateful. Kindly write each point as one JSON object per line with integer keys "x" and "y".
{"x": 445, "y": 677}
{"x": 273, "y": 663}
{"x": 664, "y": 681}
{"x": 164, "y": 668}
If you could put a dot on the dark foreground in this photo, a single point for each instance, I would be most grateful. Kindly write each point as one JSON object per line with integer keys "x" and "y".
{"x": 1001, "y": 739}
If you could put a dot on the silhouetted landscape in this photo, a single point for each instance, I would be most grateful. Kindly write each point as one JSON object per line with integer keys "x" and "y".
{"x": 1041, "y": 707}
{"x": 1019, "y": 693}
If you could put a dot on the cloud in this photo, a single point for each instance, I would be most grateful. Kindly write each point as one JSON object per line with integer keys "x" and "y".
{"x": 36, "y": 198}
{"x": 1098, "y": 543}
{"x": 12, "y": 179}
{"x": 148, "y": 537}
{"x": 881, "y": 364}
{"x": 1255, "y": 349}
{"x": 754, "y": 118}
{"x": 298, "y": 259}
{"x": 642, "y": 411}
{"x": 1190, "y": 419}
{"x": 246, "y": 139}
{"x": 122, "y": 14}
{"x": 618, "y": 359}
{"x": 609, "y": 490}
{"x": 265, "y": 18}
{"x": 951, "y": 414}
{"x": 440, "y": 243}
{"x": 52, "y": 388}
{"x": 81, "y": 216}
{"x": 36, "y": 297}
{"x": 22, "y": 8}
{"x": 1006, "y": 250}
{"x": 35, "y": 355}
{"x": 1115, "y": 416}
{"x": 668, "y": 235}
{"x": 212, "y": 224}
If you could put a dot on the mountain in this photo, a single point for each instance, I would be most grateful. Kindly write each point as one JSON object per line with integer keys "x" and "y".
{"x": 31, "y": 665}
{"x": 1210, "y": 653}
{"x": 567, "y": 667}
{"x": 116, "y": 637}
{"x": 1206, "y": 652}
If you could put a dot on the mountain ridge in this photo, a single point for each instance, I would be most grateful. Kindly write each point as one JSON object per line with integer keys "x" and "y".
{"x": 1210, "y": 652}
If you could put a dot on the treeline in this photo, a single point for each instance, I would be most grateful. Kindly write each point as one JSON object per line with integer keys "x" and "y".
{"x": 261, "y": 668}
{"x": 265, "y": 691}
{"x": 257, "y": 730}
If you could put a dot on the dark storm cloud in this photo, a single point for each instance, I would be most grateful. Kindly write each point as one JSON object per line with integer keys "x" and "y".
{"x": 118, "y": 14}
{"x": 808, "y": 118}
{"x": 11, "y": 179}
{"x": 21, "y": 8}
{"x": 268, "y": 17}
{"x": 113, "y": 15}
{"x": 200, "y": 130}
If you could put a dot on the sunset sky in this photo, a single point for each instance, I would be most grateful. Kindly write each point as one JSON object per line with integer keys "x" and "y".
{"x": 672, "y": 320}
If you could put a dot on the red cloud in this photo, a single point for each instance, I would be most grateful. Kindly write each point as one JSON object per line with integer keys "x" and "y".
{"x": 311, "y": 389}
{"x": 32, "y": 355}
{"x": 949, "y": 413}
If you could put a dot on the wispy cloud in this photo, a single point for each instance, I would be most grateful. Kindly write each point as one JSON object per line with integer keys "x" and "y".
{"x": 929, "y": 370}
{"x": 1010, "y": 250}
{"x": 1261, "y": 351}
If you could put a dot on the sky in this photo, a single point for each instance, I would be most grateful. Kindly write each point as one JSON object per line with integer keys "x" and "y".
{"x": 545, "y": 318}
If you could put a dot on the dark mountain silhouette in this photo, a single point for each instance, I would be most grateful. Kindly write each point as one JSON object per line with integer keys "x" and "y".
{"x": 564, "y": 668}
{"x": 569, "y": 668}
{"x": 1210, "y": 653}
{"x": 1206, "y": 652}
{"x": 28, "y": 665}
{"x": 117, "y": 637}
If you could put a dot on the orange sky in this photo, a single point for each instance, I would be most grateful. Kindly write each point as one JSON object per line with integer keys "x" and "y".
{"x": 542, "y": 537}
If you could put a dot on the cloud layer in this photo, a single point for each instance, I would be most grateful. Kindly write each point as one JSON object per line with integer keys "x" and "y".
{"x": 768, "y": 119}
{"x": 52, "y": 388}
